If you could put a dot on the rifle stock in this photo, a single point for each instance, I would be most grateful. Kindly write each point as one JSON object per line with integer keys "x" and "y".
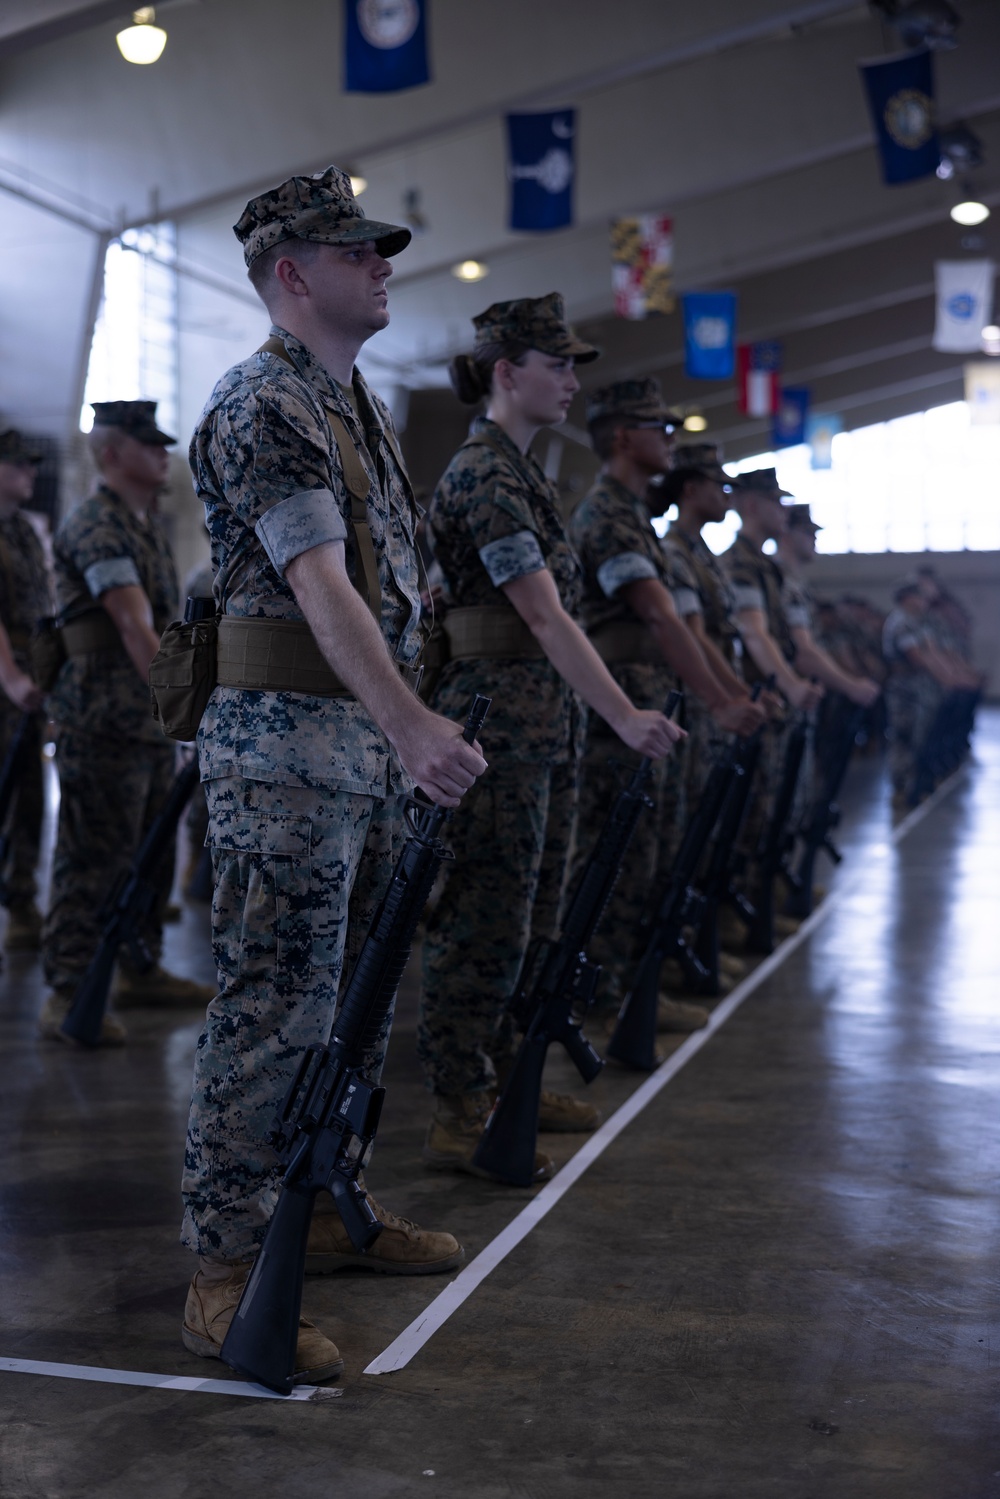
{"x": 772, "y": 856}
{"x": 329, "y": 1117}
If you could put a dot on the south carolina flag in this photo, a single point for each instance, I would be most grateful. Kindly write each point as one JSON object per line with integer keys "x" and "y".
{"x": 758, "y": 367}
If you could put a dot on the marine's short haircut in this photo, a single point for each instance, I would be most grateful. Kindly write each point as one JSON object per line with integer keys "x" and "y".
{"x": 261, "y": 271}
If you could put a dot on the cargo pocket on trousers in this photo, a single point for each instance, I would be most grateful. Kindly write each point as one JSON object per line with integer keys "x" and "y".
{"x": 262, "y": 908}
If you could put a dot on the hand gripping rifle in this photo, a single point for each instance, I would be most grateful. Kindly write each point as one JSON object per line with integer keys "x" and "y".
{"x": 824, "y": 815}
{"x": 128, "y": 903}
{"x": 633, "y": 1041}
{"x": 776, "y": 842}
{"x": 330, "y": 1114}
{"x": 558, "y": 989}
{"x": 10, "y": 773}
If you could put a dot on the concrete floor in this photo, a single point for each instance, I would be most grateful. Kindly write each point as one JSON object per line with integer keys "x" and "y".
{"x": 779, "y": 1281}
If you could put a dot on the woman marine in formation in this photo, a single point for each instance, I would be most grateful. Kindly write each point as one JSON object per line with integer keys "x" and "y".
{"x": 512, "y": 583}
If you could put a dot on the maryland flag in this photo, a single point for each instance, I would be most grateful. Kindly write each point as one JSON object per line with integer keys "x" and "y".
{"x": 642, "y": 255}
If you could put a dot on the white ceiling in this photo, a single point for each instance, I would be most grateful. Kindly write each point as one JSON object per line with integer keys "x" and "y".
{"x": 743, "y": 118}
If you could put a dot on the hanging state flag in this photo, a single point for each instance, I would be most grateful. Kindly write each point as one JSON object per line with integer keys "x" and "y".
{"x": 964, "y": 304}
{"x": 982, "y": 392}
{"x": 541, "y": 169}
{"x": 709, "y": 334}
{"x": 901, "y": 101}
{"x": 791, "y": 417}
{"x": 385, "y": 45}
{"x": 642, "y": 256}
{"x": 758, "y": 367}
{"x": 821, "y": 428}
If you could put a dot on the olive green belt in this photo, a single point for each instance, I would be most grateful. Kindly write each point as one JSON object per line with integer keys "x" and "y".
{"x": 492, "y": 631}
{"x": 624, "y": 641}
{"x": 95, "y": 631}
{"x": 280, "y": 655}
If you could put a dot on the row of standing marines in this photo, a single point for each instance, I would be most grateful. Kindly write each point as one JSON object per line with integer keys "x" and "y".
{"x": 314, "y": 729}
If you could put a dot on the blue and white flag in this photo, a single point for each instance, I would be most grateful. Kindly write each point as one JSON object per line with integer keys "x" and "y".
{"x": 901, "y": 100}
{"x": 964, "y": 304}
{"x": 791, "y": 417}
{"x": 821, "y": 428}
{"x": 709, "y": 334}
{"x": 541, "y": 169}
{"x": 385, "y": 45}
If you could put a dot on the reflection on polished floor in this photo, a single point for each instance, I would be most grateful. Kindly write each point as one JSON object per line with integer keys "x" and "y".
{"x": 778, "y": 1283}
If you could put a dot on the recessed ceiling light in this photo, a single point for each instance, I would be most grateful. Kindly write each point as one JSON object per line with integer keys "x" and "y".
{"x": 358, "y": 184}
{"x": 470, "y": 270}
{"x": 970, "y": 213}
{"x": 142, "y": 42}
{"x": 695, "y": 422}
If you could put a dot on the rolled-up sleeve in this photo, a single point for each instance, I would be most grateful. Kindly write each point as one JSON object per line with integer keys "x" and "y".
{"x": 511, "y": 557}
{"x": 111, "y": 572}
{"x": 297, "y": 524}
{"x": 747, "y": 596}
{"x": 626, "y": 567}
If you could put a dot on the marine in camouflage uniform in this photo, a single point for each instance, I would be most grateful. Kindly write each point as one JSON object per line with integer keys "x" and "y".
{"x": 115, "y": 766}
{"x": 494, "y": 518}
{"x": 612, "y": 531}
{"x": 912, "y": 695}
{"x": 24, "y": 599}
{"x": 302, "y": 785}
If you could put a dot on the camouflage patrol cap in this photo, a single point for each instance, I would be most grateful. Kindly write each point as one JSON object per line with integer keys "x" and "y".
{"x": 762, "y": 481}
{"x": 799, "y": 519}
{"x": 536, "y": 322}
{"x": 137, "y": 418}
{"x": 703, "y": 458}
{"x": 14, "y": 448}
{"x": 638, "y": 401}
{"x": 322, "y": 208}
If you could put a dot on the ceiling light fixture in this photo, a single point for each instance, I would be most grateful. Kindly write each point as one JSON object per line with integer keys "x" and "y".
{"x": 142, "y": 42}
{"x": 970, "y": 212}
{"x": 470, "y": 270}
{"x": 358, "y": 183}
{"x": 991, "y": 339}
{"x": 695, "y": 422}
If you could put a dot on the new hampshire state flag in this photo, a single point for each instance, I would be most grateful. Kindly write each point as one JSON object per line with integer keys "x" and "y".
{"x": 541, "y": 169}
{"x": 901, "y": 100}
{"x": 385, "y": 45}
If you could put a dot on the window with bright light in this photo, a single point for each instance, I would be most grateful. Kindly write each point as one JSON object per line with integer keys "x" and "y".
{"x": 133, "y": 356}
{"x": 928, "y": 482}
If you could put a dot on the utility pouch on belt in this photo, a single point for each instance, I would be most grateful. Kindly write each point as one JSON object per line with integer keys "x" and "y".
{"x": 47, "y": 652}
{"x": 183, "y": 671}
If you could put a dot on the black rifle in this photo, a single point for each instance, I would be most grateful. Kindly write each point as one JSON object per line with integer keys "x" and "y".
{"x": 717, "y": 881}
{"x": 633, "y": 1041}
{"x": 946, "y": 742}
{"x": 10, "y": 773}
{"x": 330, "y": 1114}
{"x": 129, "y": 902}
{"x": 776, "y": 841}
{"x": 557, "y": 990}
{"x": 823, "y": 817}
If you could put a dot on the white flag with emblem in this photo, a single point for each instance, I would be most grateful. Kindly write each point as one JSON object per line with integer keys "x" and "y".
{"x": 964, "y": 304}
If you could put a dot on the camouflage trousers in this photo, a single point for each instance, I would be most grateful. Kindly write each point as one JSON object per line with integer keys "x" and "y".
{"x": 110, "y": 791}
{"x": 24, "y": 822}
{"x": 648, "y": 857}
{"x": 512, "y": 838}
{"x": 299, "y": 873}
{"x": 911, "y": 701}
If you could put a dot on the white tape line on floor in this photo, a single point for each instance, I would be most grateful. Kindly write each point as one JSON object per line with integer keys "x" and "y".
{"x": 422, "y": 1329}
{"x": 163, "y": 1381}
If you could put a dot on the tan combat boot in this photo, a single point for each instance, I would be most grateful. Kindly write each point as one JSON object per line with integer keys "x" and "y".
{"x": 677, "y": 1016}
{"x": 212, "y": 1299}
{"x": 558, "y": 1113}
{"x": 160, "y": 990}
{"x": 400, "y": 1249}
{"x": 24, "y": 929}
{"x": 54, "y": 1012}
{"x": 455, "y": 1130}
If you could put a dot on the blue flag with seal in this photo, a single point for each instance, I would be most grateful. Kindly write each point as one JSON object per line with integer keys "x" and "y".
{"x": 541, "y": 169}
{"x": 385, "y": 45}
{"x": 709, "y": 334}
{"x": 901, "y": 100}
{"x": 791, "y": 417}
